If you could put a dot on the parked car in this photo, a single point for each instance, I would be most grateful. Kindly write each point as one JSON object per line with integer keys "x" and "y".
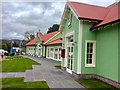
{"x": 5, "y": 52}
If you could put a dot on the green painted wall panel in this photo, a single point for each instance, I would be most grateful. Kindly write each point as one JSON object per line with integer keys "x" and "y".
{"x": 56, "y": 37}
{"x": 74, "y": 27}
{"x": 107, "y": 52}
{"x": 87, "y": 35}
{"x": 118, "y": 53}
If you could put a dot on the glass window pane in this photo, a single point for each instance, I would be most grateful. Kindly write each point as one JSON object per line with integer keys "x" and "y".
{"x": 90, "y": 61}
{"x": 55, "y": 56}
{"x": 56, "y": 49}
{"x": 71, "y": 49}
{"x": 70, "y": 39}
{"x": 59, "y": 49}
{"x": 91, "y": 45}
{"x": 87, "y": 50}
{"x": 51, "y": 49}
{"x": 91, "y": 50}
{"x": 87, "y": 44}
{"x": 87, "y": 55}
{"x": 91, "y": 56}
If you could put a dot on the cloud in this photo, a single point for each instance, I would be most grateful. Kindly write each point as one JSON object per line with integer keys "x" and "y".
{"x": 21, "y": 17}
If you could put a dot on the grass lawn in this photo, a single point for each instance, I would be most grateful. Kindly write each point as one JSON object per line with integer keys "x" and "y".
{"x": 18, "y": 64}
{"x": 14, "y": 57}
{"x": 95, "y": 84}
{"x": 58, "y": 66}
{"x": 19, "y": 83}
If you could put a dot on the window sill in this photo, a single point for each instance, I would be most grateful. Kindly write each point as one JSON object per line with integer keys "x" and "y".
{"x": 91, "y": 66}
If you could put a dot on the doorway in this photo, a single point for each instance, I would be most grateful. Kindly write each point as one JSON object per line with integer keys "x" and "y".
{"x": 69, "y": 54}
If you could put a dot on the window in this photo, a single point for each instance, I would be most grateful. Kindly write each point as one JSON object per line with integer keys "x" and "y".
{"x": 69, "y": 20}
{"x": 56, "y": 49}
{"x": 70, "y": 39}
{"x": 48, "y": 52}
{"x": 56, "y": 53}
{"x": 59, "y": 53}
{"x": 51, "y": 49}
{"x": 90, "y": 54}
{"x": 55, "y": 56}
{"x": 51, "y": 52}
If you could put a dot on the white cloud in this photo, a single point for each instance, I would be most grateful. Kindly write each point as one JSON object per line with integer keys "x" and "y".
{"x": 19, "y": 14}
{"x": 20, "y": 17}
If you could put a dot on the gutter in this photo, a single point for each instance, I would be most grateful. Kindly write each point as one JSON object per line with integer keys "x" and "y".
{"x": 93, "y": 29}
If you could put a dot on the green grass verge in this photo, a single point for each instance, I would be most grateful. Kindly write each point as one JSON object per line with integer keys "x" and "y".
{"x": 17, "y": 65}
{"x": 19, "y": 83}
{"x": 58, "y": 66}
{"x": 95, "y": 84}
{"x": 14, "y": 57}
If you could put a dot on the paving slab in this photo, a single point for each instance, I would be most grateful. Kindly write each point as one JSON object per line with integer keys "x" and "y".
{"x": 29, "y": 76}
{"x": 12, "y": 74}
{"x": 56, "y": 78}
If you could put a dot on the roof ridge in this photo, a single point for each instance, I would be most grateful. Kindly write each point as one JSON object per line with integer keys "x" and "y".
{"x": 87, "y": 4}
{"x": 54, "y": 40}
{"x": 56, "y": 32}
{"x": 50, "y": 32}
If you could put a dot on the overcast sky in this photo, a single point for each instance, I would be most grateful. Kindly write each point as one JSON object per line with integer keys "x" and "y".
{"x": 19, "y": 17}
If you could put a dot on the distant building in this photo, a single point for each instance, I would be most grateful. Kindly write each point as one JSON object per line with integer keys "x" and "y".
{"x": 45, "y": 45}
{"x": 90, "y": 41}
{"x": 15, "y": 50}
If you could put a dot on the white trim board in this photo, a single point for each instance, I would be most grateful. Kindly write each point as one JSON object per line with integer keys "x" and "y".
{"x": 63, "y": 16}
{"x": 73, "y": 11}
{"x": 70, "y": 34}
{"x": 80, "y": 47}
{"x": 65, "y": 59}
{"x": 51, "y": 37}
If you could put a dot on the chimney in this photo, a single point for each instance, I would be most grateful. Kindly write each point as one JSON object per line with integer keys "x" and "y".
{"x": 39, "y": 31}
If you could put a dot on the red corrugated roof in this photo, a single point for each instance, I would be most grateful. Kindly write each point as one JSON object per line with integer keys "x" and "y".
{"x": 58, "y": 41}
{"x": 45, "y": 37}
{"x": 111, "y": 16}
{"x": 105, "y": 14}
{"x": 88, "y": 11}
{"x": 32, "y": 42}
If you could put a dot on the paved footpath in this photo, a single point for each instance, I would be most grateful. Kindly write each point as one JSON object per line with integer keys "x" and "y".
{"x": 56, "y": 78}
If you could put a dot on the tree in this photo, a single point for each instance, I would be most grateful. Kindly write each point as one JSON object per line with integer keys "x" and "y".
{"x": 15, "y": 44}
{"x": 55, "y": 27}
{"x": 8, "y": 46}
{"x": 5, "y": 45}
{"x": 29, "y": 35}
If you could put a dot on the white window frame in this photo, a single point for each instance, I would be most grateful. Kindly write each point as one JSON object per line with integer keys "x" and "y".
{"x": 56, "y": 53}
{"x": 66, "y": 43}
{"x": 94, "y": 52}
